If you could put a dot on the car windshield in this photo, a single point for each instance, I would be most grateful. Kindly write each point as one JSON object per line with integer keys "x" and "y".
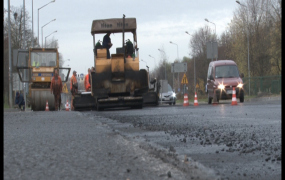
{"x": 43, "y": 59}
{"x": 228, "y": 71}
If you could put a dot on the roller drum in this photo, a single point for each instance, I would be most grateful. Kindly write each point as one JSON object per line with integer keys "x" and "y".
{"x": 39, "y": 98}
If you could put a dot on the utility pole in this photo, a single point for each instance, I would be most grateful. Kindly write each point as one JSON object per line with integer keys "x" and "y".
{"x": 10, "y": 61}
{"x": 24, "y": 48}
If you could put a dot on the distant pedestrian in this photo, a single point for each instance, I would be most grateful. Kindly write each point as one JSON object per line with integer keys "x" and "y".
{"x": 20, "y": 100}
{"x": 87, "y": 81}
{"x": 56, "y": 89}
{"x": 73, "y": 88}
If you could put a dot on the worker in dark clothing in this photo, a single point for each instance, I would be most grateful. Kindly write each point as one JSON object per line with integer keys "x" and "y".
{"x": 56, "y": 89}
{"x": 20, "y": 100}
{"x": 107, "y": 44}
{"x": 73, "y": 88}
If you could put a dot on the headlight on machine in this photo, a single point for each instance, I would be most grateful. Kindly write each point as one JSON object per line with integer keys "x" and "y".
{"x": 221, "y": 86}
{"x": 240, "y": 85}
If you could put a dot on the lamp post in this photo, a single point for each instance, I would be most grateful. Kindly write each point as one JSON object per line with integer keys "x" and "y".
{"x": 39, "y": 18}
{"x": 24, "y": 42}
{"x": 154, "y": 60}
{"x": 10, "y": 60}
{"x": 144, "y": 62}
{"x": 15, "y": 17}
{"x": 247, "y": 47}
{"x": 48, "y": 36}
{"x": 52, "y": 42}
{"x": 177, "y": 49}
{"x": 213, "y": 40}
{"x": 32, "y": 23}
{"x": 173, "y": 66}
{"x": 147, "y": 69}
{"x": 42, "y": 30}
{"x": 164, "y": 63}
{"x": 154, "y": 64}
{"x": 194, "y": 67}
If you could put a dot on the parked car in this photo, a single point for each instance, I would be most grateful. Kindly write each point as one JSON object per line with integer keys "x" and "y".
{"x": 168, "y": 97}
{"x": 222, "y": 76}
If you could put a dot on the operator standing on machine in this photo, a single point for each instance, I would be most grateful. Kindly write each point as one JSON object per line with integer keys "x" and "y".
{"x": 107, "y": 44}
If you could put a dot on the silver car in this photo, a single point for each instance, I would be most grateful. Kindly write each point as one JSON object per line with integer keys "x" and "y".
{"x": 168, "y": 97}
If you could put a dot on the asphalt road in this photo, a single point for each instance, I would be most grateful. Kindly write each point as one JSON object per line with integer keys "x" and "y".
{"x": 204, "y": 142}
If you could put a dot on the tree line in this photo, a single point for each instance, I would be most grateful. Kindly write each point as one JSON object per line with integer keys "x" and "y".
{"x": 256, "y": 27}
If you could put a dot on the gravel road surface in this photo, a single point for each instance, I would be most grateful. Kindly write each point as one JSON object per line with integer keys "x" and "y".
{"x": 164, "y": 142}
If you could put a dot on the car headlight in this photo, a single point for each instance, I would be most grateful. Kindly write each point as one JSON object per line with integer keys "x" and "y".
{"x": 240, "y": 85}
{"x": 221, "y": 86}
{"x": 174, "y": 95}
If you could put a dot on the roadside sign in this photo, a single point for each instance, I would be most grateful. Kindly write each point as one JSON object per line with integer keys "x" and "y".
{"x": 197, "y": 86}
{"x": 64, "y": 88}
{"x": 212, "y": 50}
{"x": 184, "y": 79}
{"x": 179, "y": 67}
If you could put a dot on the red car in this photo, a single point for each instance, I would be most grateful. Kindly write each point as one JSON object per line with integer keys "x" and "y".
{"x": 222, "y": 76}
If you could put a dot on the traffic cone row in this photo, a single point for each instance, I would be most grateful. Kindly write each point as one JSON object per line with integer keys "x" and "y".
{"x": 47, "y": 108}
{"x": 215, "y": 102}
{"x": 186, "y": 103}
{"x": 195, "y": 100}
{"x": 234, "y": 99}
{"x": 67, "y": 106}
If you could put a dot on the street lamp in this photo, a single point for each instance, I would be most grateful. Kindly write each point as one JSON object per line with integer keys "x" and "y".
{"x": 39, "y": 20}
{"x": 177, "y": 49}
{"x": 247, "y": 47}
{"x": 10, "y": 56}
{"x": 15, "y": 17}
{"x": 154, "y": 60}
{"x": 48, "y": 36}
{"x": 143, "y": 61}
{"x": 164, "y": 63}
{"x": 215, "y": 35}
{"x": 147, "y": 70}
{"x": 42, "y": 30}
{"x": 178, "y": 61}
{"x": 194, "y": 66}
{"x": 154, "y": 64}
{"x": 52, "y": 43}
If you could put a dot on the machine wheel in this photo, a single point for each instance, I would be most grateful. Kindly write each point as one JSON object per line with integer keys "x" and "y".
{"x": 137, "y": 107}
{"x": 170, "y": 103}
{"x": 209, "y": 99}
{"x": 98, "y": 107}
{"x": 241, "y": 97}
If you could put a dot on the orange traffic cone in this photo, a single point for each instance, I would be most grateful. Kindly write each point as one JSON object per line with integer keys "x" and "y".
{"x": 186, "y": 103}
{"x": 47, "y": 108}
{"x": 234, "y": 99}
{"x": 195, "y": 100}
{"x": 67, "y": 106}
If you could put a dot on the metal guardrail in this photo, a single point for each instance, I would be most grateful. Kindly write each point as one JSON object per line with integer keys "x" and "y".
{"x": 263, "y": 84}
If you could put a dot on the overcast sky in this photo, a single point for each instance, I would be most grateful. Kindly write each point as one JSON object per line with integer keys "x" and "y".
{"x": 158, "y": 22}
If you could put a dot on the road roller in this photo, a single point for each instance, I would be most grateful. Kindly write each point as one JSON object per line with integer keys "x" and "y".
{"x": 116, "y": 79}
{"x": 36, "y": 67}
